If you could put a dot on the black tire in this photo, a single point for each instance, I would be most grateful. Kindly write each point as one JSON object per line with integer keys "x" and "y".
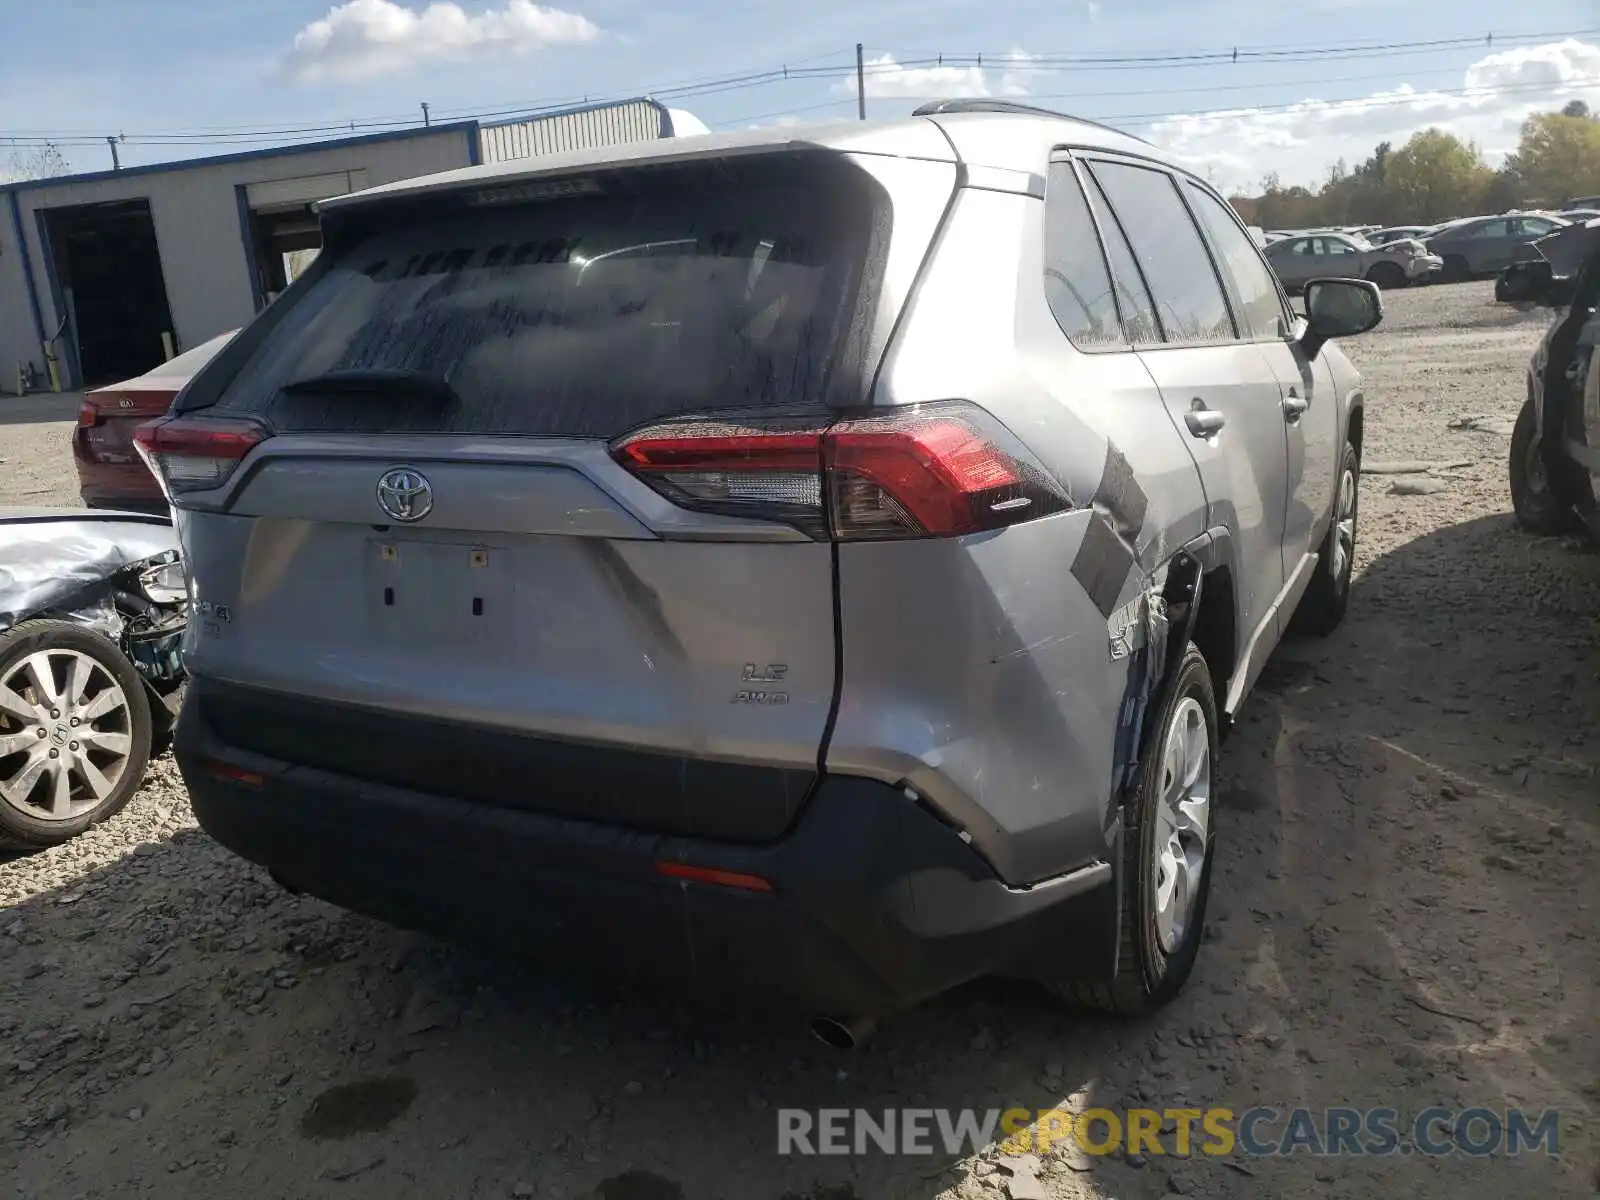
{"x": 1148, "y": 976}
{"x": 21, "y": 830}
{"x": 1456, "y": 269}
{"x": 1535, "y": 503}
{"x": 1387, "y": 275}
{"x": 1327, "y": 596}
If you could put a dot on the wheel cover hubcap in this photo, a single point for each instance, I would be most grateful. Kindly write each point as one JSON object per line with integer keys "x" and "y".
{"x": 1344, "y": 528}
{"x": 66, "y": 734}
{"x": 1182, "y": 819}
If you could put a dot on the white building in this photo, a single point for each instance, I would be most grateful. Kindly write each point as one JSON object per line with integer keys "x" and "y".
{"x": 116, "y": 271}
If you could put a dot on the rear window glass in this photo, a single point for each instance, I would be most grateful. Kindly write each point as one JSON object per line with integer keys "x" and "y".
{"x": 674, "y": 290}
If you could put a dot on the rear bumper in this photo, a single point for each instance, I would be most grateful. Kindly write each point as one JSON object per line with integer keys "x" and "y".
{"x": 128, "y": 486}
{"x": 875, "y": 903}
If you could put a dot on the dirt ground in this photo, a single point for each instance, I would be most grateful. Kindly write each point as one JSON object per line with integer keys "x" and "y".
{"x": 1404, "y": 915}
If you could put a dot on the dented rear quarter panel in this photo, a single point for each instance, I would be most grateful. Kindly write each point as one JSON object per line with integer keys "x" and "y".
{"x": 981, "y": 671}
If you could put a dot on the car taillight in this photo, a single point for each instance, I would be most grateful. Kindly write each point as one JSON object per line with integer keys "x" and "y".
{"x": 191, "y": 454}
{"x": 88, "y": 415}
{"x": 929, "y": 470}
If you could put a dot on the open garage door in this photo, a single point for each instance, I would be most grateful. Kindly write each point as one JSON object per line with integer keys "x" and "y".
{"x": 106, "y": 267}
{"x": 281, "y": 229}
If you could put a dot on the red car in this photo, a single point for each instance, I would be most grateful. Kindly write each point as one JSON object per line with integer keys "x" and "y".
{"x": 110, "y": 473}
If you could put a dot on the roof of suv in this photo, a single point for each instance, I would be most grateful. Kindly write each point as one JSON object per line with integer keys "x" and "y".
{"x": 1015, "y": 139}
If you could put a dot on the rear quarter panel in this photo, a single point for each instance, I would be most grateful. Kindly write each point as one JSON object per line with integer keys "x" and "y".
{"x": 980, "y": 670}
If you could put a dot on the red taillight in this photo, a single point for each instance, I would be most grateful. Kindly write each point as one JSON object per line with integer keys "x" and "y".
{"x": 88, "y": 415}
{"x": 189, "y": 454}
{"x": 932, "y": 470}
{"x": 733, "y": 879}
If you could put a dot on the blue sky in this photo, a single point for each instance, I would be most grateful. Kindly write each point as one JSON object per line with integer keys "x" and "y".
{"x": 181, "y": 80}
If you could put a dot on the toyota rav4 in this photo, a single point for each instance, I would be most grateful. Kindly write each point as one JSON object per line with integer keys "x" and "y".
{"x": 818, "y": 559}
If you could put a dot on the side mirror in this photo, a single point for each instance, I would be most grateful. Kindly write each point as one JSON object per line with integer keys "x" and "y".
{"x": 1337, "y": 308}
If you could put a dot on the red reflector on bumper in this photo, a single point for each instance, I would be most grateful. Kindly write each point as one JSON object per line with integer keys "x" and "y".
{"x": 232, "y": 773}
{"x": 734, "y": 879}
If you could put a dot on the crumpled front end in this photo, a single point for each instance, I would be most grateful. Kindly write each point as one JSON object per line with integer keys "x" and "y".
{"x": 118, "y": 574}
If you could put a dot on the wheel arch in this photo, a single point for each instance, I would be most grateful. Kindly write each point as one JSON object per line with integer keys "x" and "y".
{"x": 1355, "y": 422}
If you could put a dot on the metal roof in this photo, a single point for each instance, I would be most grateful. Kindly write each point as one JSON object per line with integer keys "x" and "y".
{"x": 217, "y": 160}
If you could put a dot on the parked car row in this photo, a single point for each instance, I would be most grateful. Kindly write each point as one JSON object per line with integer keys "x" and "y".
{"x": 1449, "y": 252}
{"x": 1298, "y": 260}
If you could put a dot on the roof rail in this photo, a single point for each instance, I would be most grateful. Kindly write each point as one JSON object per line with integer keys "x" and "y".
{"x": 976, "y": 105}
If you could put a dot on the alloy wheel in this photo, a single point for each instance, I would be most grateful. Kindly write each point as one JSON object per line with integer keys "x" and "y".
{"x": 1344, "y": 536}
{"x": 66, "y": 734}
{"x": 1182, "y": 821}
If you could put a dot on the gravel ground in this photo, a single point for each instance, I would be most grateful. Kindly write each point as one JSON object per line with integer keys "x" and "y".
{"x": 35, "y": 449}
{"x": 1404, "y": 915}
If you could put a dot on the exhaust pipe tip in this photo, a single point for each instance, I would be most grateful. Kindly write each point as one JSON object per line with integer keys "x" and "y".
{"x": 841, "y": 1033}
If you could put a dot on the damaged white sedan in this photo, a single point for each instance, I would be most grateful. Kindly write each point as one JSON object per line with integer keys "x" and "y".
{"x": 92, "y": 611}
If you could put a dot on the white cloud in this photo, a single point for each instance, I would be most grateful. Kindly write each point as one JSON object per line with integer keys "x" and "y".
{"x": 363, "y": 39}
{"x": 1495, "y": 95}
{"x": 1094, "y": 9}
{"x": 886, "y": 79}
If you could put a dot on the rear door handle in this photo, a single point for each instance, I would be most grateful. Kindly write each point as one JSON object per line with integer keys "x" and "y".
{"x": 1294, "y": 407}
{"x": 1204, "y": 422}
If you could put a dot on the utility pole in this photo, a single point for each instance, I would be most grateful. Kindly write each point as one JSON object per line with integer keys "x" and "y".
{"x": 861, "y": 84}
{"x": 116, "y": 163}
{"x": 425, "y": 121}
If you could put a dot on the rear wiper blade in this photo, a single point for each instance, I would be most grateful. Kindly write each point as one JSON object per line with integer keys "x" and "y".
{"x": 378, "y": 382}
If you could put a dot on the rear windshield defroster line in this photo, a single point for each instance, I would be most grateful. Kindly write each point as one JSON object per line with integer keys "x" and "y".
{"x": 717, "y": 286}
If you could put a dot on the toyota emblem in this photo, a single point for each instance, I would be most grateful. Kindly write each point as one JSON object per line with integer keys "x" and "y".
{"x": 405, "y": 494}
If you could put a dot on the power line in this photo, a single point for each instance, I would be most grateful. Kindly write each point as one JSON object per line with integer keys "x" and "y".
{"x": 1010, "y": 62}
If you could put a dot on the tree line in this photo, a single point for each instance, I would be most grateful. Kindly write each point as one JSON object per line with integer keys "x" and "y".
{"x": 1436, "y": 176}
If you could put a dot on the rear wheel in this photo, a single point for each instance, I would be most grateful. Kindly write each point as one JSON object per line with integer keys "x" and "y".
{"x": 1167, "y": 850}
{"x": 1538, "y": 509}
{"x": 1456, "y": 269}
{"x": 1387, "y": 275}
{"x": 74, "y": 732}
{"x": 1327, "y": 596}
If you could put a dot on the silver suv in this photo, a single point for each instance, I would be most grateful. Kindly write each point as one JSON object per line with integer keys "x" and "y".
{"x": 822, "y": 559}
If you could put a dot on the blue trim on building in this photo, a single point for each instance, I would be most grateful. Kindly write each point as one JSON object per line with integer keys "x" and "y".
{"x": 27, "y": 271}
{"x": 241, "y": 196}
{"x": 475, "y": 145}
{"x": 68, "y": 358}
{"x": 217, "y": 160}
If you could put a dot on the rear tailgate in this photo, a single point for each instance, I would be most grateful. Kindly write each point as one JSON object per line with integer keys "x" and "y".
{"x": 546, "y": 631}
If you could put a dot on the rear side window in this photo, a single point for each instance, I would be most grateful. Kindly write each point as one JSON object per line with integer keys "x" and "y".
{"x": 673, "y": 290}
{"x": 1138, "y": 310}
{"x": 1075, "y": 277}
{"x": 1260, "y": 309}
{"x": 1189, "y": 298}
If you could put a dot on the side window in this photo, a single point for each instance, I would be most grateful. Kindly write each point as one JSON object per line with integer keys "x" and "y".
{"x": 1260, "y": 308}
{"x": 1188, "y": 295}
{"x": 1133, "y": 297}
{"x": 1337, "y": 246}
{"x": 1076, "y": 281}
